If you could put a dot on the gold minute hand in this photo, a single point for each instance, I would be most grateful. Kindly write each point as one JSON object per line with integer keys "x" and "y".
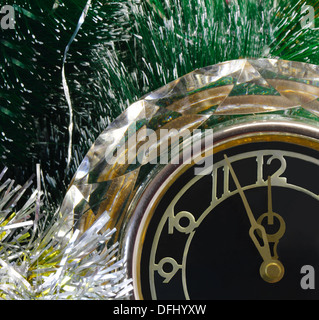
{"x": 271, "y": 270}
{"x": 264, "y": 249}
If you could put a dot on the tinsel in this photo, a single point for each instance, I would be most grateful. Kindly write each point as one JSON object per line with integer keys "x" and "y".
{"x": 67, "y": 70}
{"x": 38, "y": 261}
{"x": 122, "y": 51}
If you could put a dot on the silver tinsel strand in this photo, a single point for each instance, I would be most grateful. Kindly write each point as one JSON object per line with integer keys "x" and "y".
{"x": 38, "y": 262}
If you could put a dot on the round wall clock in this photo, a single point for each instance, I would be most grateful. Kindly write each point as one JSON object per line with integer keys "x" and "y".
{"x": 212, "y": 184}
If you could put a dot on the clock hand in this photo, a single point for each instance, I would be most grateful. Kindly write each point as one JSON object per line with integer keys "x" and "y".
{"x": 270, "y": 215}
{"x": 264, "y": 249}
{"x": 270, "y": 218}
{"x": 271, "y": 270}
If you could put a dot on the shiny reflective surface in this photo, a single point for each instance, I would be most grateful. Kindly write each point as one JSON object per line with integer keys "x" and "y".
{"x": 112, "y": 171}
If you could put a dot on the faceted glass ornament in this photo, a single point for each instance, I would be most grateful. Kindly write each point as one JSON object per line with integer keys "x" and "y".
{"x": 119, "y": 162}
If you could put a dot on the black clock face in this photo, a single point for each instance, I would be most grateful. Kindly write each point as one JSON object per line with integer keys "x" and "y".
{"x": 210, "y": 238}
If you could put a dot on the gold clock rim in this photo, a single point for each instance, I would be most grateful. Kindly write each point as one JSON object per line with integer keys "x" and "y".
{"x": 291, "y": 132}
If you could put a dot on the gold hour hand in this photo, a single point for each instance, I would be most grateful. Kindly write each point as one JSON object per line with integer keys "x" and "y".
{"x": 269, "y": 216}
{"x": 271, "y": 270}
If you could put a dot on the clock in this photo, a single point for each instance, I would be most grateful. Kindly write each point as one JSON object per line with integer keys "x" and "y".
{"x": 212, "y": 184}
{"x": 242, "y": 229}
